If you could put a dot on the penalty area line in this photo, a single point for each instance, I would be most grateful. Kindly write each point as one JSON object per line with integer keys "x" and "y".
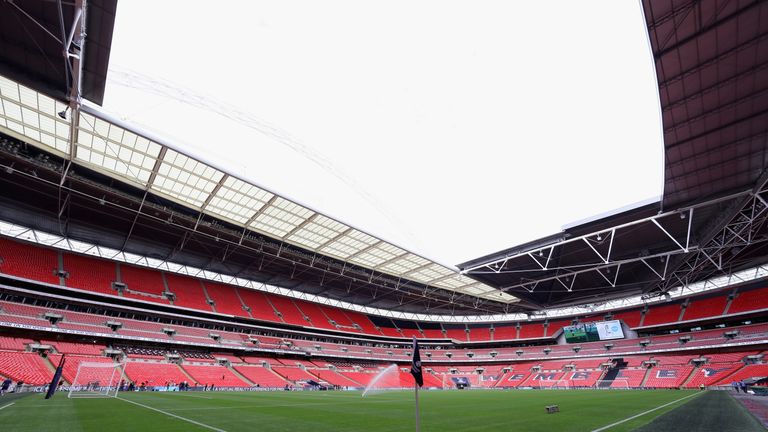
{"x": 644, "y": 413}
{"x": 174, "y": 415}
{"x": 6, "y": 406}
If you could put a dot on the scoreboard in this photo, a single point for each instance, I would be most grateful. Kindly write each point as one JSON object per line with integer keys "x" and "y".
{"x": 593, "y": 331}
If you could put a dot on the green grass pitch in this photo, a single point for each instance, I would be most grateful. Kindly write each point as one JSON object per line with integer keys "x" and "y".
{"x": 441, "y": 411}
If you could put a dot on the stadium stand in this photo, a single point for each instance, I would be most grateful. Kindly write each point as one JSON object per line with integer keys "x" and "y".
{"x": 14, "y": 344}
{"x": 73, "y": 362}
{"x": 24, "y": 366}
{"x": 75, "y": 348}
{"x": 293, "y": 373}
{"x": 28, "y": 261}
{"x": 188, "y": 292}
{"x": 316, "y": 317}
{"x": 531, "y": 330}
{"x": 629, "y": 377}
{"x": 479, "y": 334}
{"x": 142, "y": 283}
{"x": 662, "y": 314}
{"x": 288, "y": 311}
{"x": 149, "y": 285}
{"x": 260, "y": 308}
{"x": 334, "y": 378}
{"x": 668, "y": 368}
{"x": 261, "y": 376}
{"x": 90, "y": 273}
{"x": 631, "y": 318}
{"x": 710, "y": 374}
{"x": 668, "y": 376}
{"x": 554, "y": 327}
{"x": 226, "y": 299}
{"x": 746, "y": 372}
{"x": 154, "y": 374}
{"x": 220, "y": 376}
{"x": 754, "y": 299}
{"x": 705, "y": 308}
{"x": 504, "y": 332}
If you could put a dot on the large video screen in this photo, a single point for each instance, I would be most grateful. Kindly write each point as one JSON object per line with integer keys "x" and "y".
{"x": 593, "y": 331}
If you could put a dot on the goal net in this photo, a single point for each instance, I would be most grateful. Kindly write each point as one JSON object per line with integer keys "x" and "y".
{"x": 96, "y": 380}
{"x": 562, "y": 384}
{"x": 612, "y": 384}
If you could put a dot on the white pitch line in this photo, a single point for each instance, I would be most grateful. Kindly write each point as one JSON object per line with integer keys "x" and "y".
{"x": 644, "y": 413}
{"x": 6, "y": 406}
{"x": 174, "y": 416}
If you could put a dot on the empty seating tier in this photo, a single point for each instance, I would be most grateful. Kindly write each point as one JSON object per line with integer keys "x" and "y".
{"x": 750, "y": 300}
{"x": 225, "y": 299}
{"x": 154, "y": 374}
{"x": 142, "y": 283}
{"x": 219, "y": 376}
{"x": 261, "y": 376}
{"x": 27, "y": 367}
{"x": 188, "y": 292}
{"x": 662, "y": 314}
{"x": 89, "y": 273}
{"x": 28, "y": 261}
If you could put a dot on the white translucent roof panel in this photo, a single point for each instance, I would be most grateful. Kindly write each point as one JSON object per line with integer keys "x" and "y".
{"x": 455, "y": 282}
{"x": 474, "y": 290}
{"x": 405, "y": 264}
{"x": 186, "y": 179}
{"x": 281, "y": 217}
{"x": 377, "y": 255}
{"x": 115, "y": 149}
{"x": 350, "y": 244}
{"x": 237, "y": 200}
{"x": 317, "y": 232}
{"x": 430, "y": 273}
{"x": 32, "y": 115}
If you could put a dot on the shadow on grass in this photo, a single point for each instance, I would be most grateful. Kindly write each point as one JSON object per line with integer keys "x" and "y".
{"x": 714, "y": 411}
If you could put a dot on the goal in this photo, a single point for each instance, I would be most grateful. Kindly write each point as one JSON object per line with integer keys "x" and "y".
{"x": 619, "y": 384}
{"x": 562, "y": 384}
{"x": 96, "y": 380}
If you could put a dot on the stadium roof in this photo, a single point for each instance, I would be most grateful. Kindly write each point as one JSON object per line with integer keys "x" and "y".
{"x": 711, "y": 60}
{"x": 111, "y": 148}
{"x": 35, "y": 33}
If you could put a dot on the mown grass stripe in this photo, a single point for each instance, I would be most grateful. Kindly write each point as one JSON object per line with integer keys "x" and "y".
{"x": 644, "y": 413}
{"x": 174, "y": 415}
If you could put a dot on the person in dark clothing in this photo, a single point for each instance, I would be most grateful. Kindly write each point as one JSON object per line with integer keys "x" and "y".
{"x": 5, "y": 386}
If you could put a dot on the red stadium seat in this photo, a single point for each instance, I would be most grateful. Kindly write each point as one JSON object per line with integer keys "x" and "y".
{"x": 28, "y": 261}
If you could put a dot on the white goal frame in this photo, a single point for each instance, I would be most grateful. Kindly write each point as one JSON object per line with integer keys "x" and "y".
{"x": 561, "y": 384}
{"x": 113, "y": 374}
{"x": 613, "y": 385}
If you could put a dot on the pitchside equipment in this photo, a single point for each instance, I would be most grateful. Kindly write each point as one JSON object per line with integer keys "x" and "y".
{"x": 94, "y": 380}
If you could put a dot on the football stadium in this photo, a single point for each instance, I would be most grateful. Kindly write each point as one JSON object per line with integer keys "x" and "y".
{"x": 144, "y": 286}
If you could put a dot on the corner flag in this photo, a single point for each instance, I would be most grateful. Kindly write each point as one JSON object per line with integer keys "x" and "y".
{"x": 56, "y": 378}
{"x": 416, "y": 364}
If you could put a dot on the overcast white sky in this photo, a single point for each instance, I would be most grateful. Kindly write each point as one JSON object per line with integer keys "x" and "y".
{"x": 451, "y": 128}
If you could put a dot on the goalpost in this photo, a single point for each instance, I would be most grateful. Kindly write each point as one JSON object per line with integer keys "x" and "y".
{"x": 96, "y": 380}
{"x": 619, "y": 384}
